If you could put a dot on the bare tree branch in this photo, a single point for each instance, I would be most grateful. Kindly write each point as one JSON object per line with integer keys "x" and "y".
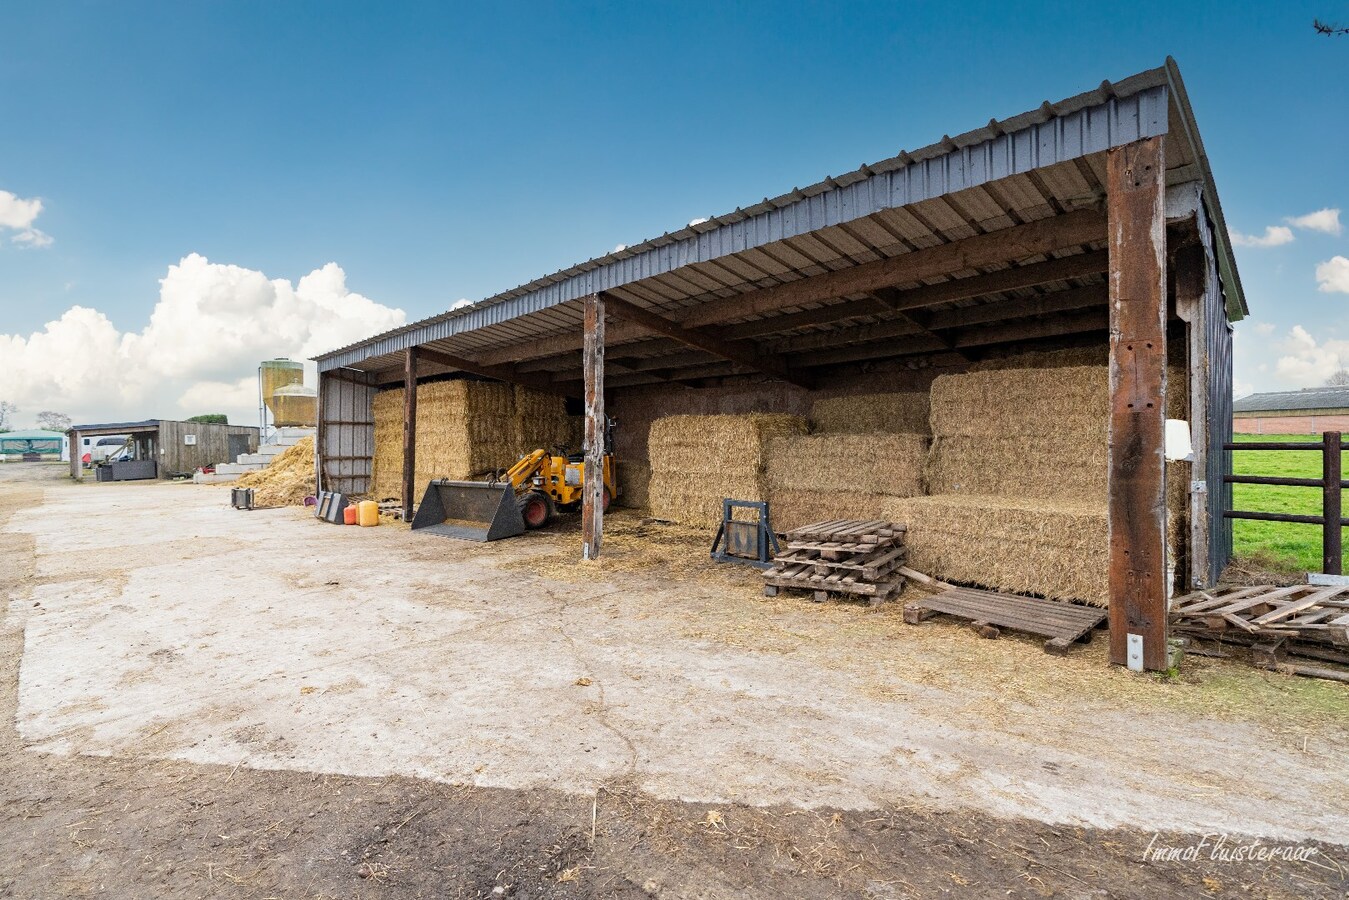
{"x": 1328, "y": 29}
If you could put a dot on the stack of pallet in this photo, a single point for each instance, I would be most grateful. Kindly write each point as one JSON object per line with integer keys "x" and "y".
{"x": 1276, "y": 623}
{"x": 842, "y": 556}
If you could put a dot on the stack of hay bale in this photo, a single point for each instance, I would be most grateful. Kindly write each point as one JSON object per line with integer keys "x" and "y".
{"x": 465, "y": 429}
{"x": 1017, "y": 475}
{"x": 696, "y": 461}
{"x": 866, "y": 449}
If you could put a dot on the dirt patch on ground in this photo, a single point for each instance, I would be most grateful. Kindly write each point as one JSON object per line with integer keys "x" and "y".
{"x": 137, "y": 824}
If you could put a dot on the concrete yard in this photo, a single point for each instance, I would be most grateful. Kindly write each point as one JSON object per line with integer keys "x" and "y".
{"x": 162, "y": 639}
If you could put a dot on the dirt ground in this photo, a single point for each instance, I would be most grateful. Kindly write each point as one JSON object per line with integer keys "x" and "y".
{"x": 200, "y": 702}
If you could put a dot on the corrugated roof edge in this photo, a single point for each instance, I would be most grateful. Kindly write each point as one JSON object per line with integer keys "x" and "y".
{"x": 1227, "y": 264}
{"x": 1167, "y": 75}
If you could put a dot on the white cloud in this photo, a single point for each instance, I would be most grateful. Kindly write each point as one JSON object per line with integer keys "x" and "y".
{"x": 1274, "y": 236}
{"x": 1263, "y": 328}
{"x": 1307, "y": 362}
{"x": 18, "y": 215}
{"x": 1241, "y": 389}
{"x": 1332, "y": 276}
{"x": 1325, "y": 220}
{"x": 461, "y": 303}
{"x": 198, "y": 353}
{"x": 698, "y": 221}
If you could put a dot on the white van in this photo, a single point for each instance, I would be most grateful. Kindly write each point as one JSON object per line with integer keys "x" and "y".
{"x": 100, "y": 448}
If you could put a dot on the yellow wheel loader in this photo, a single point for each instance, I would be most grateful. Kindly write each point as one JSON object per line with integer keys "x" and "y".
{"x": 527, "y": 495}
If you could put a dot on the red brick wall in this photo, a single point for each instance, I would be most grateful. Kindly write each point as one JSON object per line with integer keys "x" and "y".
{"x": 1309, "y": 424}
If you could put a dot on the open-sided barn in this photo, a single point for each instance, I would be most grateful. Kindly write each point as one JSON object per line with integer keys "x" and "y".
{"x": 1053, "y": 285}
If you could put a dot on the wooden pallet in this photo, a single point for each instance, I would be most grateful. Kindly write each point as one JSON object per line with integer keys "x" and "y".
{"x": 803, "y": 578}
{"x": 881, "y": 560}
{"x": 1304, "y": 611}
{"x": 841, "y": 556}
{"x": 848, "y": 531}
{"x": 1062, "y": 623}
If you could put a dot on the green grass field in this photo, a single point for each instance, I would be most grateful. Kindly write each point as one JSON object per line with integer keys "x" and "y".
{"x": 1281, "y": 546}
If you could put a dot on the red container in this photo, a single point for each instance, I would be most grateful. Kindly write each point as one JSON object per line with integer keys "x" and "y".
{"x": 350, "y": 515}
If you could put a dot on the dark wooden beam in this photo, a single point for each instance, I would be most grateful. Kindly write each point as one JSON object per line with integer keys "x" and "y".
{"x": 1136, "y": 200}
{"x": 1077, "y": 266}
{"x": 992, "y": 249}
{"x": 409, "y": 433}
{"x": 553, "y": 345}
{"x": 742, "y": 352}
{"x": 592, "y": 493}
{"x": 507, "y": 373}
{"x": 890, "y": 297}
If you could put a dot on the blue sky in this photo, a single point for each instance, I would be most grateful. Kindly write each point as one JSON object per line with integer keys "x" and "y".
{"x": 442, "y": 151}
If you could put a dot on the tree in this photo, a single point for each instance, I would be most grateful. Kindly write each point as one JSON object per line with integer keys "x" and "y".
{"x": 7, "y": 409}
{"x": 53, "y": 421}
{"x": 1328, "y": 29}
{"x": 211, "y": 419}
{"x": 1338, "y": 379}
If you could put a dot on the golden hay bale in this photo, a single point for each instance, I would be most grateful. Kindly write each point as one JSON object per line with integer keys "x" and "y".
{"x": 716, "y": 444}
{"x": 464, "y": 428}
{"x": 1021, "y": 401}
{"x": 634, "y": 484}
{"x": 696, "y": 461}
{"x": 696, "y": 500}
{"x": 287, "y": 480}
{"x": 1019, "y": 466}
{"x": 849, "y": 463}
{"x": 793, "y": 508}
{"x": 1056, "y": 549}
{"x": 1098, "y": 355}
{"x": 903, "y": 413}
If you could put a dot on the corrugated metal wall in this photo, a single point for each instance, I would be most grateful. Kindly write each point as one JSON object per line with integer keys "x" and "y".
{"x": 346, "y": 435}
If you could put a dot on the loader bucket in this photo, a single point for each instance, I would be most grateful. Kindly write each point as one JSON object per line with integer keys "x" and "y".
{"x": 469, "y": 511}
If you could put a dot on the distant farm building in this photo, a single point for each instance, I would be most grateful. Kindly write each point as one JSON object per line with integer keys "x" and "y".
{"x": 161, "y": 448}
{"x": 1307, "y": 411}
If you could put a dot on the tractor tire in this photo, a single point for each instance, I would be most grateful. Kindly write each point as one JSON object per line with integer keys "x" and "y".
{"x": 536, "y": 509}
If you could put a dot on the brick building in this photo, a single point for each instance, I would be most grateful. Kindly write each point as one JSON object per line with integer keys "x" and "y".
{"x": 1308, "y": 411}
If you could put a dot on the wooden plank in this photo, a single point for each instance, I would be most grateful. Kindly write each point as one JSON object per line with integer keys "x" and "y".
{"x": 592, "y": 493}
{"x": 743, "y": 352}
{"x": 1297, "y": 605}
{"x": 409, "y": 432}
{"x": 1137, "y": 476}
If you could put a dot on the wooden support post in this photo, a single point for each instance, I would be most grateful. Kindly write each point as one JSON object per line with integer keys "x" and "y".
{"x": 1137, "y": 482}
{"x": 592, "y": 496}
{"x": 1330, "y": 504}
{"x": 409, "y": 433}
{"x": 320, "y": 436}
{"x": 1191, "y": 280}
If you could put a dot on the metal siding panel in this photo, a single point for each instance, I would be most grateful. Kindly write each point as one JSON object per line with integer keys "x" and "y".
{"x": 1036, "y": 145}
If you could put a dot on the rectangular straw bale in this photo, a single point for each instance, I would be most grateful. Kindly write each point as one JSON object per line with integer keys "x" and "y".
{"x": 464, "y": 428}
{"x": 1056, "y": 549}
{"x": 697, "y": 501}
{"x": 848, "y": 463}
{"x": 696, "y": 461}
{"x": 716, "y": 444}
{"x": 634, "y": 484}
{"x": 899, "y": 413}
{"x": 1019, "y": 466}
{"x": 1022, "y": 401}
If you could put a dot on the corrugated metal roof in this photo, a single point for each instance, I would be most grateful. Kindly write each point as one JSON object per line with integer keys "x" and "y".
{"x": 1305, "y": 399}
{"x": 117, "y": 426}
{"x": 1031, "y": 166}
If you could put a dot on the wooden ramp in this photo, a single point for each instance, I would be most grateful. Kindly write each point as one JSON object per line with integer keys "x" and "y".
{"x": 1062, "y": 623}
